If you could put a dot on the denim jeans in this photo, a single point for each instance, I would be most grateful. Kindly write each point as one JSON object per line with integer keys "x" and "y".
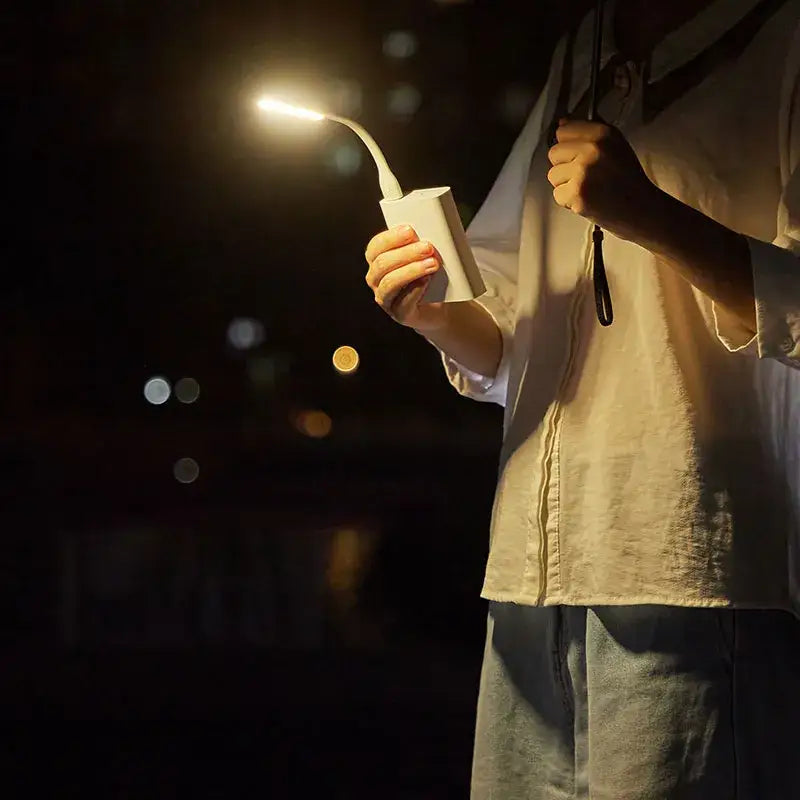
{"x": 638, "y": 703}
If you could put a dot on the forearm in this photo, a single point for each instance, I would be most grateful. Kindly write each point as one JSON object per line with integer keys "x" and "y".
{"x": 710, "y": 256}
{"x": 469, "y": 336}
{"x": 597, "y": 174}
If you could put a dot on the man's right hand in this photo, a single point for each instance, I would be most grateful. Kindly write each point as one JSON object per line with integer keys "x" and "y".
{"x": 400, "y": 269}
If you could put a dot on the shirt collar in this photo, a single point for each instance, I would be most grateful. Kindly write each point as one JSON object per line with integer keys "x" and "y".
{"x": 697, "y": 34}
{"x": 677, "y": 48}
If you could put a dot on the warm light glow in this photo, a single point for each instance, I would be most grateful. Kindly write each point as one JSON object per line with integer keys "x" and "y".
{"x": 350, "y": 549}
{"x": 315, "y": 424}
{"x": 279, "y": 107}
{"x": 345, "y": 359}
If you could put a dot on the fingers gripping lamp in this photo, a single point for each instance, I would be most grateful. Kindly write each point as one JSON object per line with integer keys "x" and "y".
{"x": 431, "y": 212}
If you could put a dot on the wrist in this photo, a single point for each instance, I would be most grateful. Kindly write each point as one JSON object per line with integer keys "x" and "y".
{"x": 435, "y": 321}
{"x": 655, "y": 218}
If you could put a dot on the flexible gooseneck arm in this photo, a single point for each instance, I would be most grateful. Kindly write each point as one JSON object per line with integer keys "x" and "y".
{"x": 390, "y": 186}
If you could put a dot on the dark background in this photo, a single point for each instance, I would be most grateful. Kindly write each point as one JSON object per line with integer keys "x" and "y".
{"x": 304, "y": 616}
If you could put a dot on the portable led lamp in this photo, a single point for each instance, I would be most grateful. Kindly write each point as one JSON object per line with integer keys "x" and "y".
{"x": 431, "y": 212}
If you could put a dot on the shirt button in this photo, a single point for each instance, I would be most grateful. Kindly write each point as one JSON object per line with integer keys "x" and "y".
{"x": 622, "y": 80}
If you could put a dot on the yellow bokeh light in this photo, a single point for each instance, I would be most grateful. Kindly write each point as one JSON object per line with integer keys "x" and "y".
{"x": 346, "y": 559}
{"x": 316, "y": 424}
{"x": 345, "y": 359}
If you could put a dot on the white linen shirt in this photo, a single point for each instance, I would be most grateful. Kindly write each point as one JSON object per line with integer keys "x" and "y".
{"x": 656, "y": 460}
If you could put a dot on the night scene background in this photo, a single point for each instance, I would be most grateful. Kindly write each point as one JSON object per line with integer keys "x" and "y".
{"x": 226, "y": 566}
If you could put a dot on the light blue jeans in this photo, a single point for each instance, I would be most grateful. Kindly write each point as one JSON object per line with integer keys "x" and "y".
{"x": 638, "y": 703}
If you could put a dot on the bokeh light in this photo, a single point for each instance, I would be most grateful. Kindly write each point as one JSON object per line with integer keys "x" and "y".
{"x": 157, "y": 390}
{"x": 187, "y": 390}
{"x": 346, "y": 359}
{"x": 399, "y": 44}
{"x": 403, "y": 100}
{"x": 344, "y": 158}
{"x": 245, "y": 332}
{"x": 186, "y": 470}
{"x": 314, "y": 423}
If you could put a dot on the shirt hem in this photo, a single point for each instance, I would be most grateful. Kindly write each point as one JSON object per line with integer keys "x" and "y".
{"x": 596, "y": 599}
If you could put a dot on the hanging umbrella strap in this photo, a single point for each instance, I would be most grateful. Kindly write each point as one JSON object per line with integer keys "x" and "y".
{"x": 602, "y": 294}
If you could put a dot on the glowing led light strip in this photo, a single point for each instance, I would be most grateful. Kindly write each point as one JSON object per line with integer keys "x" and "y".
{"x": 270, "y": 104}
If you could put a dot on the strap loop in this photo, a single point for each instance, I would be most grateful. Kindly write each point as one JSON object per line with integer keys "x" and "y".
{"x": 602, "y": 294}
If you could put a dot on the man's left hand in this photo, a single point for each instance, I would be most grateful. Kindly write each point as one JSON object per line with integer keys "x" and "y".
{"x": 597, "y": 175}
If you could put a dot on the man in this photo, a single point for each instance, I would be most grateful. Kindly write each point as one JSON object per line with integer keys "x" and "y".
{"x": 644, "y": 565}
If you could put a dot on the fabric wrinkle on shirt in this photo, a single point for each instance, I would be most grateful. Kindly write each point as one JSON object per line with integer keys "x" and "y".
{"x": 657, "y": 460}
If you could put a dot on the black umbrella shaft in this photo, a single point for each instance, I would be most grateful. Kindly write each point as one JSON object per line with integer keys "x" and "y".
{"x": 597, "y": 44}
{"x": 602, "y": 294}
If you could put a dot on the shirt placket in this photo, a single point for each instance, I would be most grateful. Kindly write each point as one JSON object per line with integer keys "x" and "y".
{"x": 627, "y": 85}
